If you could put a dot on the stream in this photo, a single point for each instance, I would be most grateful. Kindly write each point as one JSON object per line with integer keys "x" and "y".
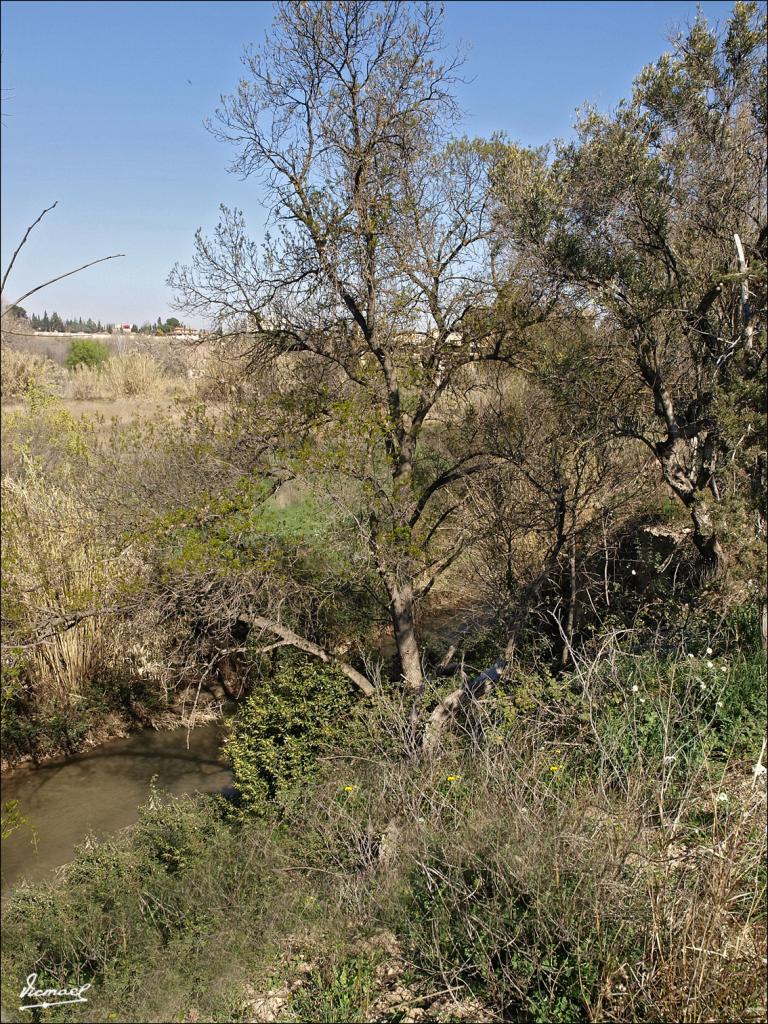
{"x": 100, "y": 791}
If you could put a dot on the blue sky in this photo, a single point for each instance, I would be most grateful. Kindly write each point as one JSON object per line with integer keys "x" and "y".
{"x": 104, "y": 103}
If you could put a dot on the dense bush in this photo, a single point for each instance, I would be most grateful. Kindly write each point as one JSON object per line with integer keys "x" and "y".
{"x": 86, "y": 352}
{"x": 506, "y": 867}
{"x": 153, "y": 918}
{"x": 277, "y": 735}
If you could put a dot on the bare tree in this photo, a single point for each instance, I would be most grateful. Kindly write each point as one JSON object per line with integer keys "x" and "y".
{"x": 369, "y": 289}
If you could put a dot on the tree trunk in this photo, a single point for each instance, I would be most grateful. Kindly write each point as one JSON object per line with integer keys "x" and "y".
{"x": 461, "y": 699}
{"x": 705, "y": 536}
{"x": 404, "y": 627}
{"x": 570, "y": 618}
{"x": 681, "y": 480}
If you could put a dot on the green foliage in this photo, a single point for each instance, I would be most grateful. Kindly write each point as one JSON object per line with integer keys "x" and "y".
{"x": 302, "y": 552}
{"x": 86, "y": 352}
{"x": 155, "y": 919}
{"x": 486, "y": 926}
{"x": 685, "y": 711}
{"x": 244, "y": 529}
{"x": 533, "y": 891}
{"x": 12, "y": 818}
{"x": 283, "y": 727}
{"x": 337, "y": 992}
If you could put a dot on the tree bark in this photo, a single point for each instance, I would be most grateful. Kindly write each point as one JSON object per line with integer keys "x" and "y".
{"x": 691, "y": 489}
{"x": 571, "y": 616}
{"x": 705, "y": 537}
{"x": 404, "y": 627}
{"x": 459, "y": 699}
{"x": 302, "y": 644}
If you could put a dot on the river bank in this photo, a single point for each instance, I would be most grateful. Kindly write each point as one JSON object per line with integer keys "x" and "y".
{"x": 99, "y": 792}
{"x": 117, "y": 723}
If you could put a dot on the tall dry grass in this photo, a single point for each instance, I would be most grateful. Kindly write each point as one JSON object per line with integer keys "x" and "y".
{"x": 59, "y": 588}
{"x": 22, "y": 371}
{"x": 133, "y": 375}
{"x": 590, "y": 857}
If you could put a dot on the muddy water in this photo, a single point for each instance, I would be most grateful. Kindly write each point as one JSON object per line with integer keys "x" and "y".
{"x": 100, "y": 791}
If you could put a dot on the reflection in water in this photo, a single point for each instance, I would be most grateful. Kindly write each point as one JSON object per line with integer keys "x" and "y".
{"x": 99, "y": 792}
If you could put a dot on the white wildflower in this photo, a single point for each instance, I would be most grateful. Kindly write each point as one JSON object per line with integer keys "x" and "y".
{"x": 635, "y": 689}
{"x": 722, "y": 798}
{"x": 710, "y": 665}
{"x": 634, "y": 573}
{"x": 710, "y": 652}
{"x": 723, "y": 668}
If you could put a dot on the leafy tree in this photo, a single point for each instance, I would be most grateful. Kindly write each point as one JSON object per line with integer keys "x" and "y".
{"x": 655, "y": 217}
{"x": 86, "y": 352}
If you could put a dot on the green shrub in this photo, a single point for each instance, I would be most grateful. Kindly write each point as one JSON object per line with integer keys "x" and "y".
{"x": 281, "y": 729}
{"x": 157, "y": 919}
{"x": 86, "y": 352}
{"x": 685, "y": 713}
{"x": 337, "y": 992}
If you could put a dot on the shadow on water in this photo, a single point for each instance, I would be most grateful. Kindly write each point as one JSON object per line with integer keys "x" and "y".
{"x": 100, "y": 792}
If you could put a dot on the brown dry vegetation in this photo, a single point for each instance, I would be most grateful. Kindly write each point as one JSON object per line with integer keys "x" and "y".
{"x": 466, "y": 509}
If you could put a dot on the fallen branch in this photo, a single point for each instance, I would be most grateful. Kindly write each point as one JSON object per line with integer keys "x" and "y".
{"x": 308, "y": 647}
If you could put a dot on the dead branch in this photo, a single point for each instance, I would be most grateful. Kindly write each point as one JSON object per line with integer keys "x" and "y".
{"x": 20, "y": 246}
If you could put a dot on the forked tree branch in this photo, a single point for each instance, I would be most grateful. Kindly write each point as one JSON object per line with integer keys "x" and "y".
{"x": 302, "y": 644}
